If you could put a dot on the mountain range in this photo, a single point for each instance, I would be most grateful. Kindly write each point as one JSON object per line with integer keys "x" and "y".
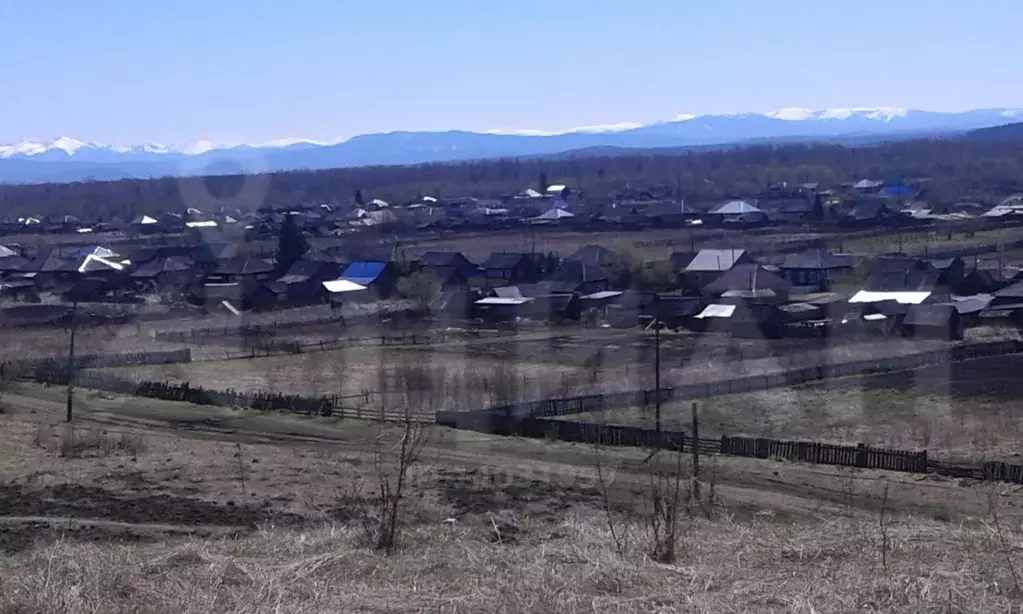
{"x": 67, "y": 159}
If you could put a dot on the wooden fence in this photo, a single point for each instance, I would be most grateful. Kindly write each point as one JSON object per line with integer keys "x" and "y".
{"x": 563, "y": 406}
{"x": 54, "y": 369}
{"x": 362, "y": 406}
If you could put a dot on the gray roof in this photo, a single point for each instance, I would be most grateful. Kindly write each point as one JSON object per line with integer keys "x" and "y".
{"x": 816, "y": 258}
{"x": 714, "y": 260}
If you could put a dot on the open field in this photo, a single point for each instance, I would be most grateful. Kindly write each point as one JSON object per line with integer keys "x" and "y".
{"x": 472, "y": 373}
{"x": 920, "y": 240}
{"x": 260, "y": 513}
{"x": 961, "y": 410}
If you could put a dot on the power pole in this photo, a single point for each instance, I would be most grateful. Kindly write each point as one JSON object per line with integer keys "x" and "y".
{"x": 657, "y": 375}
{"x": 71, "y": 361}
{"x": 696, "y": 454}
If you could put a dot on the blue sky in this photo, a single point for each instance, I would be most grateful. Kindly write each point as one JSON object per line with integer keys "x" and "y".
{"x": 130, "y": 71}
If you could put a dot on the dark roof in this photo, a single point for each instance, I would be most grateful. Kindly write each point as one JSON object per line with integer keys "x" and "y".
{"x": 748, "y": 278}
{"x": 929, "y": 315}
{"x": 303, "y": 270}
{"x": 54, "y": 261}
{"x": 577, "y": 272}
{"x": 363, "y": 273}
{"x": 714, "y": 260}
{"x": 503, "y": 260}
{"x": 444, "y": 259}
{"x": 15, "y": 263}
{"x": 159, "y": 266}
{"x": 901, "y": 281}
{"x": 897, "y": 264}
{"x": 946, "y": 263}
{"x": 245, "y": 266}
{"x": 816, "y": 258}
{"x": 213, "y": 251}
{"x": 595, "y": 255}
{"x": 1013, "y": 291}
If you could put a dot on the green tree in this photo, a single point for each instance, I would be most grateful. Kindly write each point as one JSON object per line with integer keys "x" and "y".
{"x": 291, "y": 243}
{"x": 359, "y": 200}
{"x": 543, "y": 182}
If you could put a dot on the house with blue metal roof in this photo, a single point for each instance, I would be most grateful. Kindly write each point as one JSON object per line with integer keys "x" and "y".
{"x": 380, "y": 278}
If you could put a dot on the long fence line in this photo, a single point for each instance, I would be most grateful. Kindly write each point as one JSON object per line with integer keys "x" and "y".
{"x": 361, "y": 406}
{"x": 643, "y": 398}
{"x": 41, "y": 368}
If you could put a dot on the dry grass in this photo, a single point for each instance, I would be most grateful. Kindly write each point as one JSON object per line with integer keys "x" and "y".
{"x": 525, "y": 535}
{"x": 959, "y": 409}
{"x": 562, "y": 566}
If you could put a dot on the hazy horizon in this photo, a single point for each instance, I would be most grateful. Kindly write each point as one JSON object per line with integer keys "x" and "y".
{"x": 127, "y": 74}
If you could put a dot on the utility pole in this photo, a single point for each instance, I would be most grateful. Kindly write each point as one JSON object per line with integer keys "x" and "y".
{"x": 657, "y": 375}
{"x": 71, "y": 361}
{"x": 696, "y": 454}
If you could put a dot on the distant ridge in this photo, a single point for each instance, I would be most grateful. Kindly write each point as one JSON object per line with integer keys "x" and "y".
{"x": 69, "y": 159}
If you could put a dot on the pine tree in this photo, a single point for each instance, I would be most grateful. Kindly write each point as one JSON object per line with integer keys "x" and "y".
{"x": 291, "y": 243}
{"x": 358, "y": 198}
{"x": 543, "y": 183}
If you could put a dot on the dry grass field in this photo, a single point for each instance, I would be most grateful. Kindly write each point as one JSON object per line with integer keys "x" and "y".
{"x": 470, "y": 373}
{"x": 964, "y": 410}
{"x": 160, "y": 507}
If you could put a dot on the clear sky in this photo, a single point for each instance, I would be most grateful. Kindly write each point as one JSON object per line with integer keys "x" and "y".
{"x": 137, "y": 71}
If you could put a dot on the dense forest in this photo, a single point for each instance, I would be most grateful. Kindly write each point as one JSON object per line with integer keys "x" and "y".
{"x": 966, "y": 168}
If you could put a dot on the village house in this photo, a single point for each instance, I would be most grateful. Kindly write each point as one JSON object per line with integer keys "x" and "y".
{"x": 813, "y": 270}
{"x": 708, "y": 264}
{"x": 509, "y": 269}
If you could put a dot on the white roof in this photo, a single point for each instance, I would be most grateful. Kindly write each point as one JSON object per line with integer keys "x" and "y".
{"x": 905, "y": 298}
{"x": 342, "y": 285}
{"x": 93, "y": 262}
{"x": 717, "y": 311}
{"x": 554, "y": 214}
{"x": 202, "y": 224}
{"x": 556, "y": 188}
{"x": 603, "y": 294}
{"x": 6, "y": 252}
{"x": 429, "y": 199}
{"x": 497, "y": 300}
{"x": 531, "y": 193}
{"x": 736, "y": 207}
{"x": 145, "y": 219}
{"x": 379, "y": 203}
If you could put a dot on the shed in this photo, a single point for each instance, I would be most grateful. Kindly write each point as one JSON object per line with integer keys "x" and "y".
{"x": 936, "y": 320}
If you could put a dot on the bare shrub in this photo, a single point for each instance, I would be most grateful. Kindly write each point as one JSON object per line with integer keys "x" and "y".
{"x": 664, "y": 502}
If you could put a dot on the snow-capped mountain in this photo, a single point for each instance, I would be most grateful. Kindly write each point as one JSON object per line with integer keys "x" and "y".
{"x": 69, "y": 159}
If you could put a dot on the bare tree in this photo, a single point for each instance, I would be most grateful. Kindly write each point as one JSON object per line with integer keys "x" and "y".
{"x": 620, "y": 531}
{"x": 394, "y": 464}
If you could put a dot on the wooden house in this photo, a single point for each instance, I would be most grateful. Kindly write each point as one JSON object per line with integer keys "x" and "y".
{"x": 813, "y": 270}
{"x": 508, "y": 269}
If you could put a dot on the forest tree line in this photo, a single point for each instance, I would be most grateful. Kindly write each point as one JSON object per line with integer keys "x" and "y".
{"x": 983, "y": 170}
